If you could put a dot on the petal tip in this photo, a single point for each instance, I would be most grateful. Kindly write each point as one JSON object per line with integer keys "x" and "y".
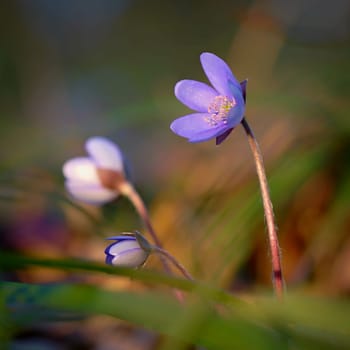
{"x": 172, "y": 126}
{"x": 81, "y": 168}
{"x": 97, "y": 141}
{"x": 206, "y": 54}
{"x": 105, "y": 153}
{"x": 177, "y": 88}
{"x": 209, "y": 57}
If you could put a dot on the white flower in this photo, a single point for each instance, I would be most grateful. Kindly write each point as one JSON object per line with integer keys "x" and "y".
{"x": 126, "y": 251}
{"x": 83, "y": 178}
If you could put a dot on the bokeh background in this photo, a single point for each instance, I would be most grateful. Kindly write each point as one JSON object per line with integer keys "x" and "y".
{"x": 74, "y": 69}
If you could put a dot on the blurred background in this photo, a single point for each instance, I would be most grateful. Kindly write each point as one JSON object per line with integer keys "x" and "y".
{"x": 74, "y": 69}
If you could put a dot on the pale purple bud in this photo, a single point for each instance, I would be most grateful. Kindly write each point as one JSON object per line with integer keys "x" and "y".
{"x": 83, "y": 174}
{"x": 126, "y": 251}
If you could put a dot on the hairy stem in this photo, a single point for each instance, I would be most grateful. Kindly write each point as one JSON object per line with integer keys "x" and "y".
{"x": 129, "y": 191}
{"x": 278, "y": 281}
{"x": 173, "y": 260}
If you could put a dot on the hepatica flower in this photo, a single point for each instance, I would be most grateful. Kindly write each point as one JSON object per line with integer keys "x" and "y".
{"x": 93, "y": 179}
{"x": 125, "y": 251}
{"x": 218, "y": 108}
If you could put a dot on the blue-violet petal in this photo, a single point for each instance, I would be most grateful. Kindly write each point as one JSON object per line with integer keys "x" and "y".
{"x": 191, "y": 125}
{"x": 194, "y": 94}
{"x": 218, "y": 73}
{"x": 197, "y": 127}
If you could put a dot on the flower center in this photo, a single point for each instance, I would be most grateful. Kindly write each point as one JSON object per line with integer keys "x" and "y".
{"x": 219, "y": 110}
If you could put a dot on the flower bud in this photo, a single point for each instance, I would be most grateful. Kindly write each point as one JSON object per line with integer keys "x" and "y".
{"x": 126, "y": 251}
{"x": 94, "y": 179}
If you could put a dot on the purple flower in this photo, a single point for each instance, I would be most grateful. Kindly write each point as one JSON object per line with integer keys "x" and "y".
{"x": 219, "y": 108}
{"x": 126, "y": 251}
{"x": 83, "y": 174}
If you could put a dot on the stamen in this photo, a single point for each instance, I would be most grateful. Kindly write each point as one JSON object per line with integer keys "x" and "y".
{"x": 219, "y": 110}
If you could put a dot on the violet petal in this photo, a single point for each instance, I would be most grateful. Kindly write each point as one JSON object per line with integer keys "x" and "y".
{"x": 105, "y": 153}
{"x": 194, "y": 94}
{"x": 81, "y": 169}
{"x": 192, "y": 126}
{"x": 222, "y": 137}
{"x": 109, "y": 259}
{"x": 244, "y": 89}
{"x": 218, "y": 73}
{"x": 126, "y": 253}
{"x": 121, "y": 238}
{"x": 208, "y": 135}
{"x": 90, "y": 193}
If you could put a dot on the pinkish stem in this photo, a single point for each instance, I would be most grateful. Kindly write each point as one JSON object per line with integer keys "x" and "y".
{"x": 278, "y": 281}
{"x": 129, "y": 191}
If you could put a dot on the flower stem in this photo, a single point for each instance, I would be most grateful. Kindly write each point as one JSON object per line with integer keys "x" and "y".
{"x": 278, "y": 281}
{"x": 173, "y": 260}
{"x": 129, "y": 191}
